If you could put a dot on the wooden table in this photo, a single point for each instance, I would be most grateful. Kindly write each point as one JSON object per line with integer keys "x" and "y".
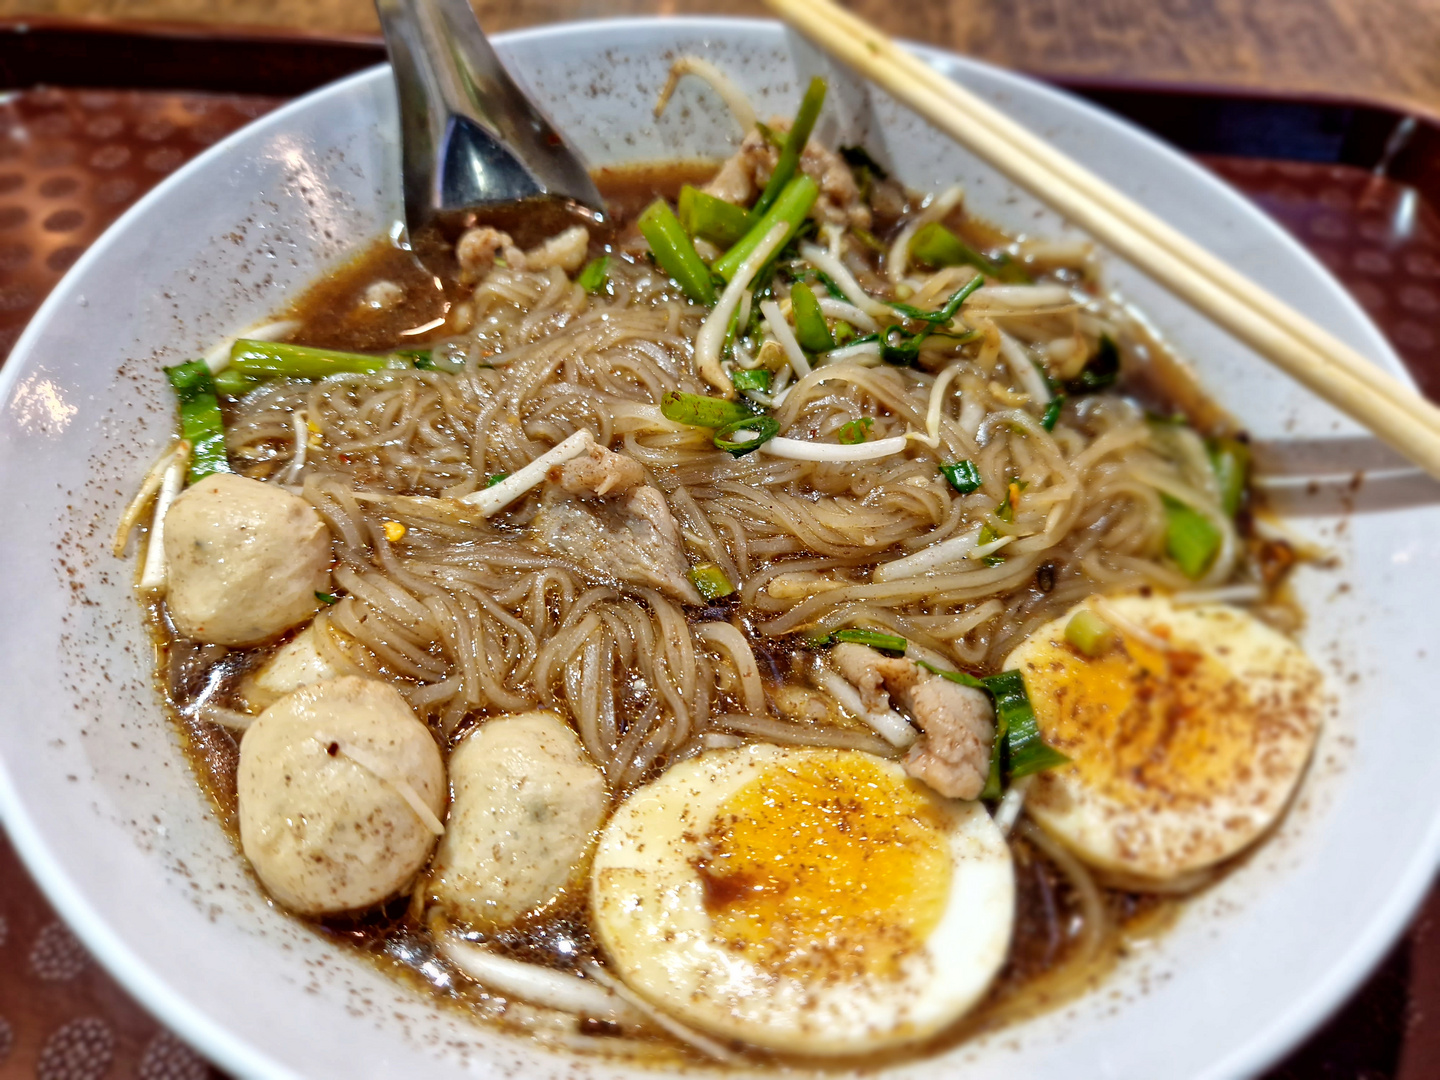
{"x": 1385, "y": 49}
{"x": 58, "y": 1012}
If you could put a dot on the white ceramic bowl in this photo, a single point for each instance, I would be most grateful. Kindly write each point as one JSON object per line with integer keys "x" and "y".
{"x": 103, "y": 808}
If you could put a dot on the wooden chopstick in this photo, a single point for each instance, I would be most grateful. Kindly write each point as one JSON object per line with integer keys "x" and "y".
{"x": 1313, "y": 356}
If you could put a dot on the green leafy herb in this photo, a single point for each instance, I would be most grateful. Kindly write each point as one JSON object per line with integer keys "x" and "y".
{"x": 753, "y": 431}
{"x": 326, "y": 598}
{"x": 596, "y": 273}
{"x": 200, "y": 421}
{"x": 495, "y": 478}
{"x": 855, "y": 431}
{"x": 964, "y": 477}
{"x": 1191, "y": 539}
{"x": 671, "y": 246}
{"x": 1052, "y": 412}
{"x": 810, "y": 329}
{"x": 1100, "y": 372}
{"x": 944, "y": 314}
{"x": 699, "y": 410}
{"x": 795, "y": 140}
{"x": 751, "y": 379}
{"x": 876, "y": 639}
{"x": 936, "y": 246}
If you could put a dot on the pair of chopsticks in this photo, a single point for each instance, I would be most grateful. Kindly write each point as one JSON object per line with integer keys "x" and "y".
{"x": 1313, "y": 356}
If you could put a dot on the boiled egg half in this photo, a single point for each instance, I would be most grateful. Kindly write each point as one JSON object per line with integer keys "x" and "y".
{"x": 806, "y": 900}
{"x": 1187, "y": 729}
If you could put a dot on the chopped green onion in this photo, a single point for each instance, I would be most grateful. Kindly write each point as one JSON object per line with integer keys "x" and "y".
{"x": 1089, "y": 633}
{"x": 423, "y": 359}
{"x": 596, "y": 273}
{"x": 326, "y": 598}
{"x": 699, "y": 410}
{"x": 1019, "y": 749}
{"x": 790, "y": 208}
{"x": 855, "y": 431}
{"x": 1052, "y": 412}
{"x": 964, "y": 476}
{"x": 1230, "y": 459}
{"x": 1100, "y": 372}
{"x": 843, "y": 333}
{"x": 810, "y": 329}
{"x": 751, "y": 379}
{"x": 754, "y": 431}
{"x": 795, "y": 140}
{"x": 716, "y": 220}
{"x": 200, "y": 421}
{"x": 676, "y": 255}
{"x": 936, "y": 246}
{"x": 495, "y": 478}
{"x": 711, "y": 581}
{"x": 876, "y": 639}
{"x": 275, "y": 359}
{"x": 1191, "y": 539}
{"x": 1025, "y": 750}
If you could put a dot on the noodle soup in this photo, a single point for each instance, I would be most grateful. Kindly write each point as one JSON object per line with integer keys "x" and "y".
{"x": 674, "y": 636}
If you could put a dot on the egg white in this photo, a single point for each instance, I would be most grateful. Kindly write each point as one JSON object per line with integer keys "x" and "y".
{"x": 650, "y": 916}
{"x": 1165, "y": 809}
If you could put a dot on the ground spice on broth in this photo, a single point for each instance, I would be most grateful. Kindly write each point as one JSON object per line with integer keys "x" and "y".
{"x": 1041, "y": 972}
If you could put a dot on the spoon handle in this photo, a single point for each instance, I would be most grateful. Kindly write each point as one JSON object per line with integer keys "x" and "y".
{"x": 469, "y": 136}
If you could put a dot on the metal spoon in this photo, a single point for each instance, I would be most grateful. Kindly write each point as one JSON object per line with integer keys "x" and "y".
{"x": 470, "y": 138}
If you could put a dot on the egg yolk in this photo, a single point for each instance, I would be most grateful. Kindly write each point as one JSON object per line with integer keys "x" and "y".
{"x": 828, "y": 867}
{"x": 1143, "y": 724}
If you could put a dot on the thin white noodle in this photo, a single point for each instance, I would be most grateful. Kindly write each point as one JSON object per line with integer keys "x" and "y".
{"x": 1129, "y": 627}
{"x": 783, "y": 334}
{"x": 889, "y": 725}
{"x": 805, "y": 450}
{"x": 493, "y": 499}
{"x": 1248, "y": 593}
{"x": 537, "y": 985}
{"x": 734, "y": 98}
{"x": 297, "y": 457}
{"x": 381, "y": 771}
{"x": 729, "y": 638}
{"x": 712, "y": 330}
{"x": 154, "y": 477}
{"x": 685, "y": 1034}
{"x": 897, "y": 261}
{"x": 152, "y": 576}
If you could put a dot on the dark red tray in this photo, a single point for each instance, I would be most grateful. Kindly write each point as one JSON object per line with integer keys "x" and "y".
{"x": 104, "y": 112}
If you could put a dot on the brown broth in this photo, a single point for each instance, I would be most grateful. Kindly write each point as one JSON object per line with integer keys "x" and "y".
{"x": 1041, "y": 972}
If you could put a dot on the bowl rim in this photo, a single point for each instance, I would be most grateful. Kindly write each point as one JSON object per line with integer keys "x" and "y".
{"x": 241, "y": 1057}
